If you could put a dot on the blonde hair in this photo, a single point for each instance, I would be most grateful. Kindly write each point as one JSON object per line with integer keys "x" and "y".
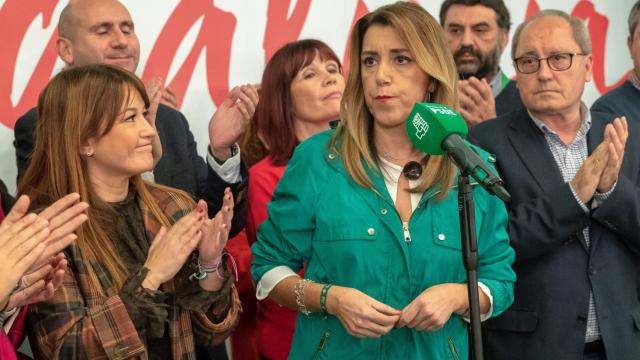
{"x": 78, "y": 104}
{"x": 426, "y": 42}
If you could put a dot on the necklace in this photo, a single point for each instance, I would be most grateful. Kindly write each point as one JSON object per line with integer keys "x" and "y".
{"x": 397, "y": 159}
{"x": 412, "y": 170}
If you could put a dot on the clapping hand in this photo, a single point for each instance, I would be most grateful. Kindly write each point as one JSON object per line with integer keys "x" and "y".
{"x": 616, "y": 135}
{"x": 169, "y": 98}
{"x": 231, "y": 119}
{"x": 28, "y": 241}
{"x": 21, "y": 244}
{"x": 64, "y": 217}
{"x": 215, "y": 231}
{"x": 476, "y": 101}
{"x": 41, "y": 284}
{"x": 171, "y": 248}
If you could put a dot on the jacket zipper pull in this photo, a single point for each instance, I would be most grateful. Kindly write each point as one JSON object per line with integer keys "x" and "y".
{"x": 323, "y": 341}
{"x": 405, "y": 229}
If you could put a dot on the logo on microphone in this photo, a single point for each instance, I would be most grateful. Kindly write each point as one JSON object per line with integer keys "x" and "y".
{"x": 441, "y": 110}
{"x": 421, "y": 126}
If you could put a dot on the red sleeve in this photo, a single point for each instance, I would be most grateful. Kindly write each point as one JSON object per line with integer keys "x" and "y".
{"x": 238, "y": 247}
{"x": 262, "y": 182}
{"x": 263, "y": 179}
{"x": 17, "y": 332}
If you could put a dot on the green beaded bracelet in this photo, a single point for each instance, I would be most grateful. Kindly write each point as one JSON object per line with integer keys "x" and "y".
{"x": 323, "y": 297}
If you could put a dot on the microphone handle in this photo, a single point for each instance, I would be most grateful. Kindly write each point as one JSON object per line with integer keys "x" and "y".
{"x": 469, "y": 162}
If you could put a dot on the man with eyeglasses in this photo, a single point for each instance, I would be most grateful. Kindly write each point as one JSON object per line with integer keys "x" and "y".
{"x": 477, "y": 32}
{"x": 574, "y": 216}
{"x": 625, "y": 99}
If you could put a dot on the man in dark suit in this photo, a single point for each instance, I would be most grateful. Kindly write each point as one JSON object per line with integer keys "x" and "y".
{"x": 102, "y": 31}
{"x": 625, "y": 99}
{"x": 574, "y": 217}
{"x": 477, "y": 32}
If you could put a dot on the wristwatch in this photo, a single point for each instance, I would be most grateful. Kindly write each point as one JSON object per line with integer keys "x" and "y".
{"x": 233, "y": 149}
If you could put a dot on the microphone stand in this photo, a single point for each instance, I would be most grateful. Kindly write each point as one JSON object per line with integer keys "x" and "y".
{"x": 470, "y": 259}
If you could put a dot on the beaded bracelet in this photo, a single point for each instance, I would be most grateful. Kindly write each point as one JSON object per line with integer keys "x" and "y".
{"x": 323, "y": 297}
{"x": 298, "y": 289}
{"x": 203, "y": 271}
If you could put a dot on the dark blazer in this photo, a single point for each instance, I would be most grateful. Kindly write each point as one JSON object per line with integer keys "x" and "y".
{"x": 508, "y": 99}
{"x": 180, "y": 166}
{"x": 554, "y": 267}
{"x": 621, "y": 101}
{"x": 6, "y": 200}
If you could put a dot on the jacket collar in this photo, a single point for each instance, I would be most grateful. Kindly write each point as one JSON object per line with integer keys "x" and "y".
{"x": 530, "y": 145}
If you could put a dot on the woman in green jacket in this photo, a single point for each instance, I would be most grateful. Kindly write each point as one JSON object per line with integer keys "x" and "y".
{"x": 381, "y": 245}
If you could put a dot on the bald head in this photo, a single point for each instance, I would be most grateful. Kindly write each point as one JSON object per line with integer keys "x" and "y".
{"x": 97, "y": 31}
{"x": 578, "y": 29}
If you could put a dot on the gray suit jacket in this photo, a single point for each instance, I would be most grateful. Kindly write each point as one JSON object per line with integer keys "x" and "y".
{"x": 555, "y": 269}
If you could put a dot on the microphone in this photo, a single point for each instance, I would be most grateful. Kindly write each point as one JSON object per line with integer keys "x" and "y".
{"x": 437, "y": 129}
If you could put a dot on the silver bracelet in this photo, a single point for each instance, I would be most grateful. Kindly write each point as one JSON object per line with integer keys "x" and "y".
{"x": 298, "y": 289}
{"x": 202, "y": 272}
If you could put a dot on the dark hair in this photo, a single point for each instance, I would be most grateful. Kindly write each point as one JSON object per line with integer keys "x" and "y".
{"x": 633, "y": 18}
{"x": 272, "y": 129}
{"x": 502, "y": 13}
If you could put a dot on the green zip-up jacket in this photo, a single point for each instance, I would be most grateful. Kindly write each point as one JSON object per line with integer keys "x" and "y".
{"x": 352, "y": 236}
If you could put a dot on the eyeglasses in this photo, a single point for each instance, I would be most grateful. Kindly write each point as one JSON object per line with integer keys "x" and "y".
{"x": 556, "y": 62}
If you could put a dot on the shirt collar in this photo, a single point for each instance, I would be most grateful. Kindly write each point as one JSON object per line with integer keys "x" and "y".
{"x": 391, "y": 172}
{"x": 585, "y": 118}
{"x": 498, "y": 83}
